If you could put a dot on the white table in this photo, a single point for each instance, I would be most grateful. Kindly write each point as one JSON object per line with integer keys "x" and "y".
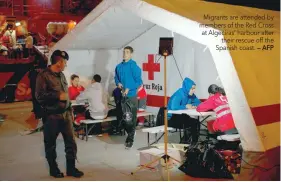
{"x": 74, "y": 103}
{"x": 192, "y": 112}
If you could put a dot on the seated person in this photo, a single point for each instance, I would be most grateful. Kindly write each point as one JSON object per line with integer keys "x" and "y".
{"x": 184, "y": 98}
{"x": 75, "y": 89}
{"x": 3, "y": 49}
{"x": 98, "y": 105}
{"x": 218, "y": 102}
{"x": 142, "y": 97}
{"x": 12, "y": 37}
{"x": 28, "y": 44}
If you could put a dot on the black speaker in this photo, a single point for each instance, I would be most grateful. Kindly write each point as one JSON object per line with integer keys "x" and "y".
{"x": 166, "y": 46}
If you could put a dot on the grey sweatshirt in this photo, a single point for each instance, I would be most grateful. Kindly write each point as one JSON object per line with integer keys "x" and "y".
{"x": 96, "y": 97}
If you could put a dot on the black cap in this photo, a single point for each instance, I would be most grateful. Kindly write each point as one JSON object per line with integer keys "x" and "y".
{"x": 59, "y": 53}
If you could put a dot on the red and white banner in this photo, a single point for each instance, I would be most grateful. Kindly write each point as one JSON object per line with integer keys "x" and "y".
{"x": 23, "y": 90}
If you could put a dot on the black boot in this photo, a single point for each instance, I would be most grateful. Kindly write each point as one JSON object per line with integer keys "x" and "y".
{"x": 71, "y": 170}
{"x": 54, "y": 170}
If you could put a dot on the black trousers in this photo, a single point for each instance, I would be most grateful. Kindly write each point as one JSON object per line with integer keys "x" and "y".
{"x": 53, "y": 125}
{"x": 183, "y": 121}
{"x": 36, "y": 106}
{"x": 115, "y": 124}
{"x": 130, "y": 128}
{"x": 98, "y": 128}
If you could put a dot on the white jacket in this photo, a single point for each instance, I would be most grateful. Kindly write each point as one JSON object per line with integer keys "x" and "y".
{"x": 97, "y": 99}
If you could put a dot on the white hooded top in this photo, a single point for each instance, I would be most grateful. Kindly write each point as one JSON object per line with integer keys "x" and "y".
{"x": 97, "y": 99}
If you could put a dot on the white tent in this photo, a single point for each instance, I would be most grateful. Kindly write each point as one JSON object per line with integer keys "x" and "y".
{"x": 95, "y": 46}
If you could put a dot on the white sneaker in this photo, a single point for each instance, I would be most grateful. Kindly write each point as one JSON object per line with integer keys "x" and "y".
{"x": 129, "y": 145}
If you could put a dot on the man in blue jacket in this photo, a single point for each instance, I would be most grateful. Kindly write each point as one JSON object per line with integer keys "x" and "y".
{"x": 184, "y": 98}
{"x": 128, "y": 78}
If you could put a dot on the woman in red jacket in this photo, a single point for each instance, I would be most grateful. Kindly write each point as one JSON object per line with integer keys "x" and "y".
{"x": 75, "y": 89}
{"x": 218, "y": 102}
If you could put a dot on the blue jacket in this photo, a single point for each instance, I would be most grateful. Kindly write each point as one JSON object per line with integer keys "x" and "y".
{"x": 181, "y": 97}
{"x": 129, "y": 75}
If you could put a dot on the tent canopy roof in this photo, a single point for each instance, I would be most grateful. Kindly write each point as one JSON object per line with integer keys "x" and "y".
{"x": 100, "y": 35}
{"x": 112, "y": 26}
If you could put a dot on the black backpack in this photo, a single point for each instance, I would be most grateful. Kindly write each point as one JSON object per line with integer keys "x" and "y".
{"x": 206, "y": 163}
{"x": 127, "y": 108}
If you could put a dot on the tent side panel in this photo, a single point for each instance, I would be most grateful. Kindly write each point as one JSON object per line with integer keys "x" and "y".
{"x": 190, "y": 29}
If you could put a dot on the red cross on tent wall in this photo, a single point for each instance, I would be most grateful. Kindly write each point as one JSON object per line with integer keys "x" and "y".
{"x": 151, "y": 67}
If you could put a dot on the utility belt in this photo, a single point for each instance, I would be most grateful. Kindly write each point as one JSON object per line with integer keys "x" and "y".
{"x": 48, "y": 111}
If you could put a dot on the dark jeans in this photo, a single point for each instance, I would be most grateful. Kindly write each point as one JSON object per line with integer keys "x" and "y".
{"x": 115, "y": 124}
{"x": 130, "y": 128}
{"x": 183, "y": 121}
{"x": 53, "y": 125}
{"x": 98, "y": 128}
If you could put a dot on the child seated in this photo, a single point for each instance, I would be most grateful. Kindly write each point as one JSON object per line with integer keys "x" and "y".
{"x": 217, "y": 101}
{"x": 75, "y": 89}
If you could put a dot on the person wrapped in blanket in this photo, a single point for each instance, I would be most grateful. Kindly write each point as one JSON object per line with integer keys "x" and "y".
{"x": 184, "y": 98}
{"x": 218, "y": 102}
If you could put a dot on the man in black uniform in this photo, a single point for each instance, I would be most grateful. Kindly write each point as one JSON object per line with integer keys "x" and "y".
{"x": 52, "y": 95}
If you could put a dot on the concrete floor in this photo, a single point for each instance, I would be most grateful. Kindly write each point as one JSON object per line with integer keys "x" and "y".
{"x": 101, "y": 158}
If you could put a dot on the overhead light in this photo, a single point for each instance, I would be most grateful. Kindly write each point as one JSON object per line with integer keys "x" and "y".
{"x": 17, "y": 24}
{"x": 74, "y": 23}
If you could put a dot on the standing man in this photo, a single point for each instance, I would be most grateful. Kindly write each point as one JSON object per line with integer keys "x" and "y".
{"x": 52, "y": 95}
{"x": 128, "y": 78}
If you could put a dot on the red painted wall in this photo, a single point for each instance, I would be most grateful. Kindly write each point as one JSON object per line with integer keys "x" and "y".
{"x": 35, "y": 6}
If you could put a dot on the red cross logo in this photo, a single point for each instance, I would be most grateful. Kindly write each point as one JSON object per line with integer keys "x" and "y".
{"x": 151, "y": 67}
